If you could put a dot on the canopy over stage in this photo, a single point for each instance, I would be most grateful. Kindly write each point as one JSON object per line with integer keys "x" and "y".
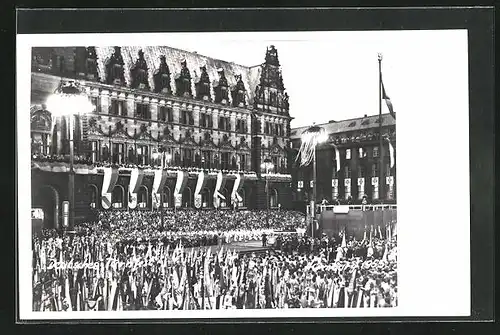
{"x": 354, "y": 221}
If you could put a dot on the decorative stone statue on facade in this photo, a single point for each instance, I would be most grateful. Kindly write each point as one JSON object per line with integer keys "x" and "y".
{"x": 139, "y": 73}
{"x": 161, "y": 77}
{"x": 183, "y": 81}
{"x": 114, "y": 68}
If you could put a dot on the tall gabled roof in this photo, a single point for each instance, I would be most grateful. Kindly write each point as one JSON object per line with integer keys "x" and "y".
{"x": 174, "y": 57}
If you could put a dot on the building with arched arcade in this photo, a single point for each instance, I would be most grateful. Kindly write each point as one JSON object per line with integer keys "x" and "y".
{"x": 208, "y": 115}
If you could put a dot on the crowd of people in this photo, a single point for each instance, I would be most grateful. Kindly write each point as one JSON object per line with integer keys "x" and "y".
{"x": 129, "y": 261}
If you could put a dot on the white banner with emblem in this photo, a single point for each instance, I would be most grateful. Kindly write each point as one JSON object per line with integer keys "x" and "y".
{"x": 361, "y": 188}
{"x": 347, "y": 184}
{"x": 200, "y": 184}
{"x": 219, "y": 185}
{"x": 390, "y": 190}
{"x": 182, "y": 178}
{"x": 158, "y": 183}
{"x": 238, "y": 185}
{"x": 108, "y": 184}
{"x": 335, "y": 188}
{"x": 374, "y": 187}
{"x": 135, "y": 183}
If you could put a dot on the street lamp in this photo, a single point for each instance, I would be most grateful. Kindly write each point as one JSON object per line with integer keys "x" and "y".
{"x": 165, "y": 158}
{"x": 70, "y": 99}
{"x": 311, "y": 137}
{"x": 267, "y": 165}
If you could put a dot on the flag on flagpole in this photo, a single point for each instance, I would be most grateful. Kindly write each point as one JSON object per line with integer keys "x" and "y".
{"x": 387, "y": 99}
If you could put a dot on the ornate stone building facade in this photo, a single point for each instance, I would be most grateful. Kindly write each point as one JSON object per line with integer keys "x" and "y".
{"x": 357, "y": 142}
{"x": 206, "y": 114}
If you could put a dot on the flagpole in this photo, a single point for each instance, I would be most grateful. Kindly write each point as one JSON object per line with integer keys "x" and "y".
{"x": 381, "y": 150}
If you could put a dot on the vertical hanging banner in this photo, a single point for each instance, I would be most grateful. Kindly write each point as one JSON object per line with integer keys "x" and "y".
{"x": 390, "y": 182}
{"x": 158, "y": 183}
{"x": 335, "y": 188}
{"x": 337, "y": 158}
{"x": 238, "y": 185}
{"x": 347, "y": 184}
{"x": 361, "y": 188}
{"x": 136, "y": 177}
{"x": 180, "y": 184}
{"x": 375, "y": 188}
{"x": 200, "y": 184}
{"x": 221, "y": 182}
{"x": 108, "y": 184}
{"x": 391, "y": 152}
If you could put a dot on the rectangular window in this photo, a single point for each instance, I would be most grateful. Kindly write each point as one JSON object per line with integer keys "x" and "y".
{"x": 190, "y": 118}
{"x": 347, "y": 172}
{"x": 243, "y": 162}
{"x": 387, "y": 169}
{"x": 96, "y": 103}
{"x": 361, "y": 172}
{"x": 347, "y": 153}
{"x": 94, "y": 151}
{"x": 205, "y": 160}
{"x": 276, "y": 164}
{"x": 187, "y": 157}
{"x": 374, "y": 170}
{"x": 117, "y": 153}
{"x": 225, "y": 160}
{"x": 142, "y": 155}
{"x": 375, "y": 151}
{"x": 221, "y": 123}
{"x": 203, "y": 120}
{"x": 210, "y": 121}
{"x": 165, "y": 114}
{"x": 142, "y": 111}
{"x": 361, "y": 152}
{"x": 122, "y": 107}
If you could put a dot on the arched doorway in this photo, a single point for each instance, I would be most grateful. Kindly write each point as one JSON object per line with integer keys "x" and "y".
{"x": 273, "y": 198}
{"x": 167, "y": 197}
{"x": 187, "y": 199}
{"x": 142, "y": 197}
{"x": 47, "y": 198}
{"x": 118, "y": 196}
{"x": 94, "y": 195}
{"x": 206, "y": 199}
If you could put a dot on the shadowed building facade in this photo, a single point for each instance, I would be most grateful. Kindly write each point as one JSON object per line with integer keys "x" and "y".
{"x": 357, "y": 178}
{"x": 208, "y": 115}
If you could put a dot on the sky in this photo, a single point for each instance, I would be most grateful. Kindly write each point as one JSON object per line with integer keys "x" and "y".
{"x": 334, "y": 75}
{"x": 328, "y": 75}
